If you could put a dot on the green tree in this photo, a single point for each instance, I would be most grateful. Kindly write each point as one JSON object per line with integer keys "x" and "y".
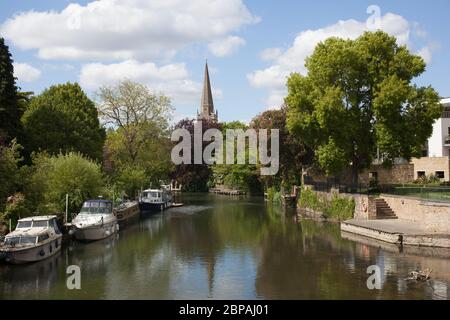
{"x": 10, "y": 126}
{"x": 63, "y": 119}
{"x": 55, "y": 176}
{"x": 9, "y": 171}
{"x": 358, "y": 97}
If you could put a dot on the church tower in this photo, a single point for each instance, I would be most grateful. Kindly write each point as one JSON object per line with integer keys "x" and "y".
{"x": 207, "y": 103}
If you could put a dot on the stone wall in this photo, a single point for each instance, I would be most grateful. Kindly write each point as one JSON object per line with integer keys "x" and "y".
{"x": 434, "y": 215}
{"x": 431, "y": 165}
{"x": 398, "y": 174}
{"x": 365, "y": 208}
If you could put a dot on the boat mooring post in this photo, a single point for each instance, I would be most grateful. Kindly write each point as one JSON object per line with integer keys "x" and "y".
{"x": 67, "y": 208}
{"x": 10, "y": 226}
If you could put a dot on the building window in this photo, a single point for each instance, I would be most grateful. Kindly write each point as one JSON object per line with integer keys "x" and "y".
{"x": 440, "y": 174}
{"x": 421, "y": 174}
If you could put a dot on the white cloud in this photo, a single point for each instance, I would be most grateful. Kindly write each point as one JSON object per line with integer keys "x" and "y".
{"x": 271, "y": 54}
{"x": 125, "y": 29}
{"x": 226, "y": 47}
{"x": 426, "y": 54}
{"x": 172, "y": 79}
{"x": 292, "y": 59}
{"x": 26, "y": 73}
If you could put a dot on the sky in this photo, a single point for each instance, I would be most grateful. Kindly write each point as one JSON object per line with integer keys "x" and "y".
{"x": 251, "y": 46}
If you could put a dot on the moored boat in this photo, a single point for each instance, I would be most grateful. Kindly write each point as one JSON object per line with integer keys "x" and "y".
{"x": 95, "y": 221}
{"x": 34, "y": 239}
{"x": 127, "y": 212}
{"x": 155, "y": 200}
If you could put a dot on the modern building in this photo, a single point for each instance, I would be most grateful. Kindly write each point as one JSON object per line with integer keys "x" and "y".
{"x": 437, "y": 160}
{"x": 207, "y": 104}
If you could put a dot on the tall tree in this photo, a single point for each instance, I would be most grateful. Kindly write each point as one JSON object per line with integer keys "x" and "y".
{"x": 9, "y": 107}
{"x": 130, "y": 105}
{"x": 63, "y": 119}
{"x": 358, "y": 97}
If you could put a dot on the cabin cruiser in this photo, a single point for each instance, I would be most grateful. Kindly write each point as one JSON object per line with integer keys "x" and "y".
{"x": 154, "y": 200}
{"x": 95, "y": 221}
{"x": 127, "y": 212}
{"x": 34, "y": 239}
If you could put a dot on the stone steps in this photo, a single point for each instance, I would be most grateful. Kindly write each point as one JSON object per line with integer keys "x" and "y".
{"x": 384, "y": 212}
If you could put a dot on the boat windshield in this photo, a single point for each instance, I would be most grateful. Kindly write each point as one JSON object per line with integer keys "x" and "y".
{"x": 24, "y": 224}
{"x": 20, "y": 240}
{"x": 96, "y": 207}
{"x": 40, "y": 224}
{"x": 152, "y": 194}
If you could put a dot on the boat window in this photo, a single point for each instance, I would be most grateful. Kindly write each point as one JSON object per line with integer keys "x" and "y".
{"x": 24, "y": 224}
{"x": 43, "y": 237}
{"x": 96, "y": 207}
{"x": 12, "y": 240}
{"x": 39, "y": 224}
{"x": 27, "y": 240}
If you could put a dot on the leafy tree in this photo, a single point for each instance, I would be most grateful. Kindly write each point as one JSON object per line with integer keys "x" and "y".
{"x": 238, "y": 176}
{"x": 63, "y": 119}
{"x": 10, "y": 126}
{"x": 9, "y": 171}
{"x": 358, "y": 97}
{"x": 130, "y": 107}
{"x": 295, "y": 157}
{"x": 55, "y": 176}
{"x": 194, "y": 177}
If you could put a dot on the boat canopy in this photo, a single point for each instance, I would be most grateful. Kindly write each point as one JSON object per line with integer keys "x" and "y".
{"x": 97, "y": 207}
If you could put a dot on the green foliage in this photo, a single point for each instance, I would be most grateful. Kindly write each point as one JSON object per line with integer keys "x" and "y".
{"x": 309, "y": 199}
{"x": 9, "y": 171}
{"x": 427, "y": 180}
{"x": 63, "y": 119}
{"x": 358, "y": 97}
{"x": 340, "y": 208}
{"x": 273, "y": 195}
{"x": 130, "y": 180}
{"x": 56, "y": 176}
{"x": 9, "y": 105}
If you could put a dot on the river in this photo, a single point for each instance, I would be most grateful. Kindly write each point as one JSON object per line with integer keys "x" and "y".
{"x": 217, "y": 247}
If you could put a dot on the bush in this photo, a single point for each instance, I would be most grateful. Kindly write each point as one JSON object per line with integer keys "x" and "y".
{"x": 340, "y": 208}
{"x": 309, "y": 199}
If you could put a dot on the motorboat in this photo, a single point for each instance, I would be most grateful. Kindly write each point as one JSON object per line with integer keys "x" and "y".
{"x": 127, "y": 212}
{"x": 34, "y": 239}
{"x": 155, "y": 200}
{"x": 95, "y": 221}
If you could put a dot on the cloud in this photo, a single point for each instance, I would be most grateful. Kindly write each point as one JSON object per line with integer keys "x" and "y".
{"x": 171, "y": 79}
{"x": 26, "y": 73}
{"x": 426, "y": 54}
{"x": 226, "y": 47}
{"x": 126, "y": 29}
{"x": 273, "y": 78}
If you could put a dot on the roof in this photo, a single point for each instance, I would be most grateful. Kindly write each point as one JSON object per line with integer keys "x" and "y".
{"x": 445, "y": 101}
{"x": 207, "y": 104}
{"x": 152, "y": 190}
{"x": 98, "y": 200}
{"x": 38, "y": 218}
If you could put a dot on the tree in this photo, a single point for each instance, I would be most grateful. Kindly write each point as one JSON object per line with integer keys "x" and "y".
{"x": 127, "y": 107}
{"x": 194, "y": 177}
{"x": 9, "y": 171}
{"x": 10, "y": 126}
{"x": 55, "y": 176}
{"x": 358, "y": 97}
{"x": 63, "y": 119}
{"x": 295, "y": 157}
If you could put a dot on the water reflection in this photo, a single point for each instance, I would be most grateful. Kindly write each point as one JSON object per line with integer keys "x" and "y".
{"x": 221, "y": 248}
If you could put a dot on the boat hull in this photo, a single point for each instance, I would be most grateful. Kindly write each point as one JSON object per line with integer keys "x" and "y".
{"x": 94, "y": 233}
{"x": 149, "y": 208}
{"x": 128, "y": 215}
{"x": 32, "y": 254}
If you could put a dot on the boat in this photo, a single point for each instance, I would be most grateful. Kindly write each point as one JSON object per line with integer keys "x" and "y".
{"x": 34, "y": 239}
{"x": 155, "y": 200}
{"x": 127, "y": 212}
{"x": 95, "y": 221}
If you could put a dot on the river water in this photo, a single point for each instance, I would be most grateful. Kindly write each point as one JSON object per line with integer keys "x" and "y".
{"x": 217, "y": 247}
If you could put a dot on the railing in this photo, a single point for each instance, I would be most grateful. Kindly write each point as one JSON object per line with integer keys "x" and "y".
{"x": 423, "y": 192}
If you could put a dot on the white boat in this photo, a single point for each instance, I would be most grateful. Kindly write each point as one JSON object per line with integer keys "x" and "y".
{"x": 34, "y": 239}
{"x": 154, "y": 200}
{"x": 95, "y": 221}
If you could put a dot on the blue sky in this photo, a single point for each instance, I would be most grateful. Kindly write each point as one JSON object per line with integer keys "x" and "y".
{"x": 251, "y": 46}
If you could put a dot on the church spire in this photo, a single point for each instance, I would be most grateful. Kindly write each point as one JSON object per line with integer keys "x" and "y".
{"x": 207, "y": 103}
